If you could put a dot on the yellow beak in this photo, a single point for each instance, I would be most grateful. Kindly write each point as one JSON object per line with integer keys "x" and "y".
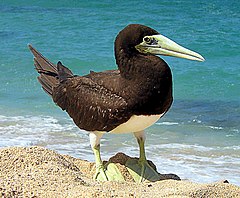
{"x": 161, "y": 45}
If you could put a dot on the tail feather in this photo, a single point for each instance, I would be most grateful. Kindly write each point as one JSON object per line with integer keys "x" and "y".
{"x": 50, "y": 74}
{"x": 46, "y": 87}
{"x": 43, "y": 63}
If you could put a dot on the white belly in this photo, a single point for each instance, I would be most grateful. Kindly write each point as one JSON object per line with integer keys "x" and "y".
{"x": 136, "y": 123}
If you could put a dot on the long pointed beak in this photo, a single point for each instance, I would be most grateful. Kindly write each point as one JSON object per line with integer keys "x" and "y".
{"x": 161, "y": 45}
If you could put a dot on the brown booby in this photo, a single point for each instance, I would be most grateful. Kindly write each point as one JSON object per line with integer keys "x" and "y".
{"x": 126, "y": 100}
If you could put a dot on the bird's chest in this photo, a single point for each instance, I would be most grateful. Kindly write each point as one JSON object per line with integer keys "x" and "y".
{"x": 137, "y": 123}
{"x": 154, "y": 98}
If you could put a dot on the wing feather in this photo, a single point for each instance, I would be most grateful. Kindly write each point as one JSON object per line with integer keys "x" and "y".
{"x": 91, "y": 106}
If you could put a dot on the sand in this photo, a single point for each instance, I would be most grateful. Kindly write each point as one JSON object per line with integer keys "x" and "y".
{"x": 40, "y": 172}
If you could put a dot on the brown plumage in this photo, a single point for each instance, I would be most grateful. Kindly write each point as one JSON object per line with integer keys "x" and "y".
{"x": 129, "y": 99}
{"x": 102, "y": 101}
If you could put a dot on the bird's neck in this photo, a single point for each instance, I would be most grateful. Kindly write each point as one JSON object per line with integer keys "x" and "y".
{"x": 149, "y": 79}
{"x": 135, "y": 65}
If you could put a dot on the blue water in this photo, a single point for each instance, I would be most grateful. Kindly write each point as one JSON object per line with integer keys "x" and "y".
{"x": 198, "y": 139}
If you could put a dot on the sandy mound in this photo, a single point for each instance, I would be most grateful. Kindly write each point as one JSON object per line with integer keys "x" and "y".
{"x": 39, "y": 172}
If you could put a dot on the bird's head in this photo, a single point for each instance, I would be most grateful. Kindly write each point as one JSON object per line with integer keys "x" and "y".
{"x": 139, "y": 38}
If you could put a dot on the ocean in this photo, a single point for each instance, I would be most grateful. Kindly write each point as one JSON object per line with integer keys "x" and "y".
{"x": 198, "y": 139}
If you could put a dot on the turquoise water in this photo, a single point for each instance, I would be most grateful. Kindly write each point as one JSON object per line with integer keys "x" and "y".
{"x": 198, "y": 139}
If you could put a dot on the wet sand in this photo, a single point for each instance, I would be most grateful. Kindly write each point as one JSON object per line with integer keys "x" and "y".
{"x": 40, "y": 172}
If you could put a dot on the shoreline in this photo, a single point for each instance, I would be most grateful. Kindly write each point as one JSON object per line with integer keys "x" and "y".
{"x": 40, "y": 172}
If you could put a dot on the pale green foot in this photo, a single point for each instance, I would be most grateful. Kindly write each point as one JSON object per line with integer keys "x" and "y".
{"x": 141, "y": 171}
{"x": 108, "y": 172}
{"x": 139, "y": 168}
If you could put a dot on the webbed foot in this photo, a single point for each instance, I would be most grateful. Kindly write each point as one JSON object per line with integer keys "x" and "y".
{"x": 142, "y": 171}
{"x": 108, "y": 172}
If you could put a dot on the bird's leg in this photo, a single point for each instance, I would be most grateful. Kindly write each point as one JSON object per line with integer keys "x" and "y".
{"x": 109, "y": 172}
{"x": 95, "y": 144}
{"x": 141, "y": 140}
{"x": 140, "y": 169}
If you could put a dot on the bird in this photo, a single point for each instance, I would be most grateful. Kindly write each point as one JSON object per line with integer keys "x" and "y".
{"x": 128, "y": 99}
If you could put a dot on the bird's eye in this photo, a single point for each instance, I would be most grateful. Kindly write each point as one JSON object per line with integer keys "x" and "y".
{"x": 147, "y": 40}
